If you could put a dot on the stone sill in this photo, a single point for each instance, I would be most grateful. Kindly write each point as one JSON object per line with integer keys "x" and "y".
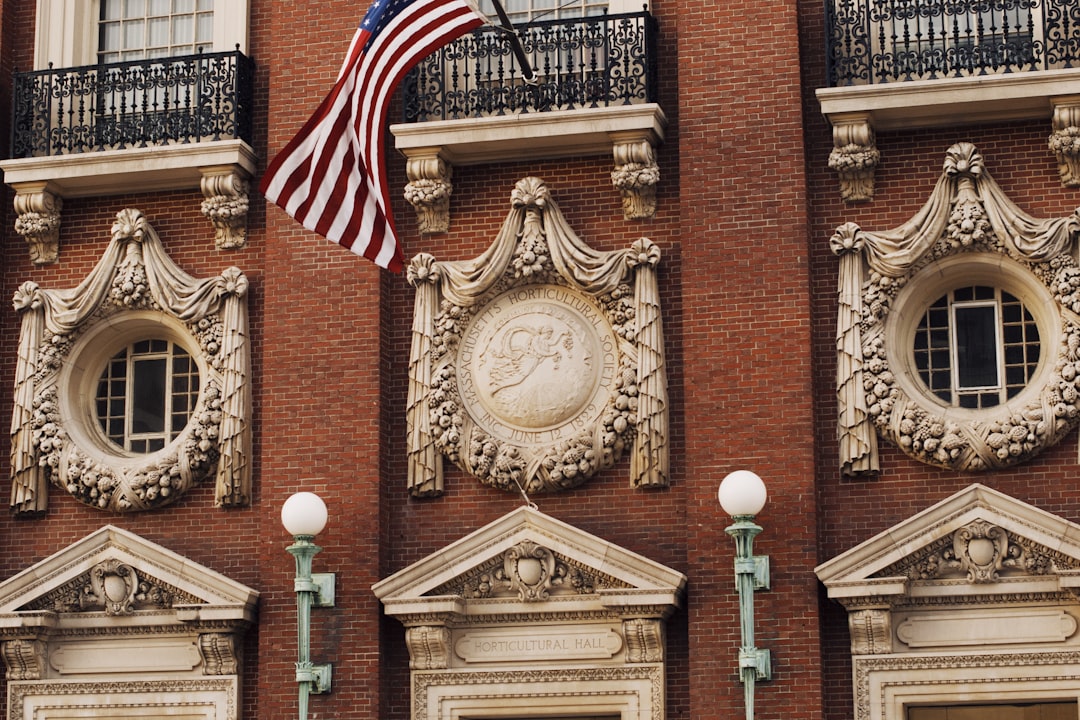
{"x": 532, "y": 136}
{"x": 967, "y": 101}
{"x": 150, "y": 169}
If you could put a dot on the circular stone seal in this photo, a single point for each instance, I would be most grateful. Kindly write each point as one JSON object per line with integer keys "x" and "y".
{"x": 536, "y": 360}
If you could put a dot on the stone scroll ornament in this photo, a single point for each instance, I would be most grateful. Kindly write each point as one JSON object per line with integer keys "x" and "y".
{"x": 134, "y": 274}
{"x": 966, "y": 213}
{"x": 537, "y": 364}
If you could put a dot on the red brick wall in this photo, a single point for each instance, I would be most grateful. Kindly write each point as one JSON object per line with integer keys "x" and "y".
{"x": 746, "y": 205}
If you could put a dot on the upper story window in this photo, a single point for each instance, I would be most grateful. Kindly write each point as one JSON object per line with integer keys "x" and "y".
{"x": 138, "y": 29}
{"x": 874, "y": 41}
{"x": 525, "y": 11}
{"x": 71, "y": 33}
{"x": 976, "y": 347}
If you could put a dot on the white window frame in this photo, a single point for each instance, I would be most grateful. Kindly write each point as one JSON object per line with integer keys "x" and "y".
{"x": 999, "y": 350}
{"x": 67, "y": 31}
{"x": 938, "y": 279}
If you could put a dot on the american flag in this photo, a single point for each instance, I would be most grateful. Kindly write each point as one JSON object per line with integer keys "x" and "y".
{"x": 331, "y": 177}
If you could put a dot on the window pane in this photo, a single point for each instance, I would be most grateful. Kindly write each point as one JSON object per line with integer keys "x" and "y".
{"x": 976, "y": 346}
{"x": 183, "y": 30}
{"x": 159, "y": 32}
{"x": 183, "y": 6}
{"x": 133, "y": 35}
{"x": 109, "y": 37}
{"x": 205, "y": 5}
{"x": 159, "y": 7}
{"x": 148, "y": 406}
{"x": 134, "y": 8}
{"x": 110, "y": 9}
{"x": 204, "y": 32}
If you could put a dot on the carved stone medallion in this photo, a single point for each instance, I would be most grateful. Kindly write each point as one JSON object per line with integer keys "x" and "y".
{"x": 537, "y": 364}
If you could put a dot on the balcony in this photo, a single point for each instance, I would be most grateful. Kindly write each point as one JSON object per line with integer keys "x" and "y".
{"x": 594, "y": 92}
{"x": 152, "y": 125}
{"x": 896, "y": 64}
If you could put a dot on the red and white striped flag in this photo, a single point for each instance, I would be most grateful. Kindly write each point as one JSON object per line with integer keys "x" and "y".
{"x": 331, "y": 177}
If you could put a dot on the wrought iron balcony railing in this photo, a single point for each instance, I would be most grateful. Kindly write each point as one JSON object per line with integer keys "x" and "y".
{"x": 881, "y": 41}
{"x": 116, "y": 106}
{"x": 586, "y": 62}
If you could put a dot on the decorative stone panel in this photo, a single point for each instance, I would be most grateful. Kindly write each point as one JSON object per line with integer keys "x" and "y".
{"x": 971, "y": 600}
{"x": 530, "y": 613}
{"x": 117, "y": 626}
{"x": 540, "y": 362}
{"x": 69, "y": 334}
{"x": 968, "y": 231}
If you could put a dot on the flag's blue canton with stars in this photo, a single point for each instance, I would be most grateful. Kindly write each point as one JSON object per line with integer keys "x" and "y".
{"x": 331, "y": 177}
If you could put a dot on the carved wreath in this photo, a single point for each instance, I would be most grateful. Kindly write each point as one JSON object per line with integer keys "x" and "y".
{"x": 967, "y": 213}
{"x": 135, "y": 274}
{"x": 536, "y": 247}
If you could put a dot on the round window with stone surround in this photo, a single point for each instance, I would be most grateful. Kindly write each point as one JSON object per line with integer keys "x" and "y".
{"x": 119, "y": 436}
{"x": 981, "y": 420}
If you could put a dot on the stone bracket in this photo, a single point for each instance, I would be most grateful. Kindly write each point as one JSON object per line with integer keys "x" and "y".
{"x": 1064, "y": 141}
{"x": 225, "y": 188}
{"x": 38, "y": 208}
{"x": 37, "y": 219}
{"x": 855, "y": 155}
{"x": 429, "y": 188}
{"x": 636, "y": 173}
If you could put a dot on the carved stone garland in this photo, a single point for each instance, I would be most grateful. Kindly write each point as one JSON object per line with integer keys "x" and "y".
{"x": 981, "y": 553}
{"x": 135, "y": 273}
{"x": 966, "y": 213}
{"x": 465, "y": 312}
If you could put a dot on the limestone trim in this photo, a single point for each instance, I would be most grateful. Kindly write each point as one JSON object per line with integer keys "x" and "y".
{"x": 541, "y": 646}
{"x": 636, "y": 174}
{"x": 854, "y": 156}
{"x": 537, "y": 302}
{"x": 969, "y": 599}
{"x": 204, "y": 699}
{"x": 629, "y": 692}
{"x": 429, "y": 189}
{"x": 37, "y": 212}
{"x": 1064, "y": 141}
{"x": 891, "y": 563}
{"x": 226, "y": 188}
{"x": 930, "y": 103}
{"x": 222, "y": 169}
{"x": 886, "y": 686}
{"x": 67, "y": 337}
{"x": 118, "y": 643}
{"x": 631, "y": 133}
{"x": 967, "y": 226}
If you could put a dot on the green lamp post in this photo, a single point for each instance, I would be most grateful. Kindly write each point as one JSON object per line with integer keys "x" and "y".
{"x": 304, "y": 516}
{"x": 742, "y": 495}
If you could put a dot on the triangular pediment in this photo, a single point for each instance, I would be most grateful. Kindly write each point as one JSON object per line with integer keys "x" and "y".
{"x": 526, "y": 558}
{"x": 976, "y": 541}
{"x": 115, "y": 572}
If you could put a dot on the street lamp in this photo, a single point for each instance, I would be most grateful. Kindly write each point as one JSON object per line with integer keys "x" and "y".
{"x": 742, "y": 495}
{"x": 304, "y": 516}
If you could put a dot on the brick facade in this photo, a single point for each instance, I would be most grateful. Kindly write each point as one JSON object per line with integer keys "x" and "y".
{"x": 746, "y": 205}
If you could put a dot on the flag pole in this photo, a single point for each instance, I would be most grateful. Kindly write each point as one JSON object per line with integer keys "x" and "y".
{"x": 515, "y": 44}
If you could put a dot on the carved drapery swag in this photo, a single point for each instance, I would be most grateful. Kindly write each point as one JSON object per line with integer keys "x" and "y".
{"x": 967, "y": 212}
{"x": 135, "y": 273}
{"x": 536, "y": 248}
